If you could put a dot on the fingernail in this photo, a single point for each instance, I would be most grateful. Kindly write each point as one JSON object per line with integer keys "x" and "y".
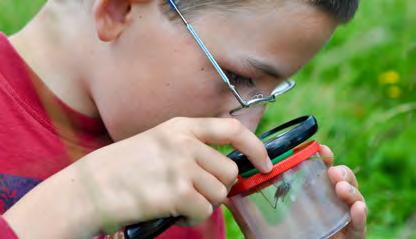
{"x": 269, "y": 165}
{"x": 343, "y": 171}
{"x": 352, "y": 190}
{"x": 235, "y": 181}
{"x": 366, "y": 211}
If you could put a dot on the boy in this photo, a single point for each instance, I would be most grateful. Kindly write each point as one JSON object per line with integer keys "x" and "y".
{"x": 85, "y": 73}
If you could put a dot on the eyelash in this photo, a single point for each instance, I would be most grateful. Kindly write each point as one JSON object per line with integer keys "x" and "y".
{"x": 236, "y": 79}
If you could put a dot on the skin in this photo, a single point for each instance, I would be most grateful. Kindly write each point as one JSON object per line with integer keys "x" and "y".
{"x": 113, "y": 53}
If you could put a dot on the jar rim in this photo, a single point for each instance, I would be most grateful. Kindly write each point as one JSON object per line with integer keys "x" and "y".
{"x": 301, "y": 153}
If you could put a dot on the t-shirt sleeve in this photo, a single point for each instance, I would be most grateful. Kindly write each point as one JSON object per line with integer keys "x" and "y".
{"x": 6, "y": 232}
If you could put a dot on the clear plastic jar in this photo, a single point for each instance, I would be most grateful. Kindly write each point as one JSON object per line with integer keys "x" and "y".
{"x": 296, "y": 200}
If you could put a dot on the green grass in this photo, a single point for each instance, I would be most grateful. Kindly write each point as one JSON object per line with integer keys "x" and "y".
{"x": 361, "y": 88}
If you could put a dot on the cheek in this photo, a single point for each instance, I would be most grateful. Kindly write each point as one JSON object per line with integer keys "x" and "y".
{"x": 193, "y": 82}
{"x": 200, "y": 91}
{"x": 187, "y": 86}
{"x": 164, "y": 83}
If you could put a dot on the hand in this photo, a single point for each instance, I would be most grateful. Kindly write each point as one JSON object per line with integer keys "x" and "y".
{"x": 169, "y": 171}
{"x": 166, "y": 171}
{"x": 346, "y": 187}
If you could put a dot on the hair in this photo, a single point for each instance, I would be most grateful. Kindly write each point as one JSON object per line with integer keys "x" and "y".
{"x": 342, "y": 10}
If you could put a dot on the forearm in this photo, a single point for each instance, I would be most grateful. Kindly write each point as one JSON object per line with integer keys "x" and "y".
{"x": 60, "y": 207}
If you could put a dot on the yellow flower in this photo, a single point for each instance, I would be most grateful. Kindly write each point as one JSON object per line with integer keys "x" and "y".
{"x": 394, "y": 92}
{"x": 389, "y": 78}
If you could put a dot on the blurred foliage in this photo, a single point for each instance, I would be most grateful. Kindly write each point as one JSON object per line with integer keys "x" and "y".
{"x": 14, "y": 14}
{"x": 361, "y": 88}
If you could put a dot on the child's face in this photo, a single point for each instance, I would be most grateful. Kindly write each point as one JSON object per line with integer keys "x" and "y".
{"x": 156, "y": 70}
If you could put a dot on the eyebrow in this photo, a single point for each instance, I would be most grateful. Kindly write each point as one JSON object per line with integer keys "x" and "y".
{"x": 265, "y": 68}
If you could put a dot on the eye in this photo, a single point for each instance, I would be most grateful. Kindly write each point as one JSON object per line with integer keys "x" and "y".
{"x": 238, "y": 80}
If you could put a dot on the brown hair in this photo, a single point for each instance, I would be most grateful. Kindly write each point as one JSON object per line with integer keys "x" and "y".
{"x": 341, "y": 10}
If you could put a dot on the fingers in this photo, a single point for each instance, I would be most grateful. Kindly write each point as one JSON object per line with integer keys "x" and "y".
{"x": 231, "y": 131}
{"x": 342, "y": 173}
{"x": 326, "y": 154}
{"x": 338, "y": 173}
{"x": 192, "y": 205}
{"x": 357, "y": 228}
{"x": 209, "y": 187}
{"x": 351, "y": 196}
{"x": 217, "y": 164}
{"x": 348, "y": 193}
{"x": 346, "y": 189}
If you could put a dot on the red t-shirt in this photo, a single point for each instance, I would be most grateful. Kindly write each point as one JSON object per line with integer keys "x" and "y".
{"x": 40, "y": 136}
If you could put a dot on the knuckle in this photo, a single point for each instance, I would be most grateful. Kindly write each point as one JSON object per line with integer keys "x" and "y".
{"x": 347, "y": 169}
{"x": 235, "y": 126}
{"x": 222, "y": 194}
{"x": 203, "y": 209}
{"x": 207, "y": 211}
{"x": 185, "y": 146}
{"x": 232, "y": 172}
{"x": 184, "y": 191}
{"x": 350, "y": 175}
{"x": 185, "y": 140}
{"x": 219, "y": 196}
{"x": 177, "y": 122}
{"x": 179, "y": 140}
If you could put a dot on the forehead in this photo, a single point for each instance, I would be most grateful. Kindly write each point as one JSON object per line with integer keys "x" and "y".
{"x": 287, "y": 35}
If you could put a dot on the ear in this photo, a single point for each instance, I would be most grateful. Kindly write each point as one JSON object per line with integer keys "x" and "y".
{"x": 112, "y": 17}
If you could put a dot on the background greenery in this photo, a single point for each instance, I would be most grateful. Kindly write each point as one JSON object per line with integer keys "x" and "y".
{"x": 361, "y": 88}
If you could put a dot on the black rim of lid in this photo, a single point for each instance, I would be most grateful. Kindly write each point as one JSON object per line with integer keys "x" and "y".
{"x": 304, "y": 128}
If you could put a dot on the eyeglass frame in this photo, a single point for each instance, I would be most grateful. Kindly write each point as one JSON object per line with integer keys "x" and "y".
{"x": 277, "y": 91}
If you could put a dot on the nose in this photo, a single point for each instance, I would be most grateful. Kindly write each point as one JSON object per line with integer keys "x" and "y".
{"x": 250, "y": 118}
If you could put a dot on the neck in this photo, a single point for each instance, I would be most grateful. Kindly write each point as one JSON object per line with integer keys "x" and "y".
{"x": 60, "y": 52}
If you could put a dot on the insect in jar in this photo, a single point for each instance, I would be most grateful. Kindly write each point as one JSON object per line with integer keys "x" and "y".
{"x": 282, "y": 188}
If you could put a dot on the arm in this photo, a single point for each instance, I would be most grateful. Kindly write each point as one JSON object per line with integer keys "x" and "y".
{"x": 169, "y": 170}
{"x": 58, "y": 207}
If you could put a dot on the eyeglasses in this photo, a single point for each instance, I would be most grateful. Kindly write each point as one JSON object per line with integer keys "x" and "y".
{"x": 247, "y": 93}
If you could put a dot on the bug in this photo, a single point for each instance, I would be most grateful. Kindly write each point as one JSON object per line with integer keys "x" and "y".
{"x": 282, "y": 188}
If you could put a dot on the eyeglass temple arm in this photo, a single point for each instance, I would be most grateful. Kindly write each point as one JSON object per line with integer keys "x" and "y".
{"x": 208, "y": 54}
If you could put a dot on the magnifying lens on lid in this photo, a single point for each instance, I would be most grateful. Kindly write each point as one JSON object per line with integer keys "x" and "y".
{"x": 279, "y": 143}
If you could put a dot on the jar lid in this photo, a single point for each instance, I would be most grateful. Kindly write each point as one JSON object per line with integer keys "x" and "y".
{"x": 260, "y": 181}
{"x": 278, "y": 141}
